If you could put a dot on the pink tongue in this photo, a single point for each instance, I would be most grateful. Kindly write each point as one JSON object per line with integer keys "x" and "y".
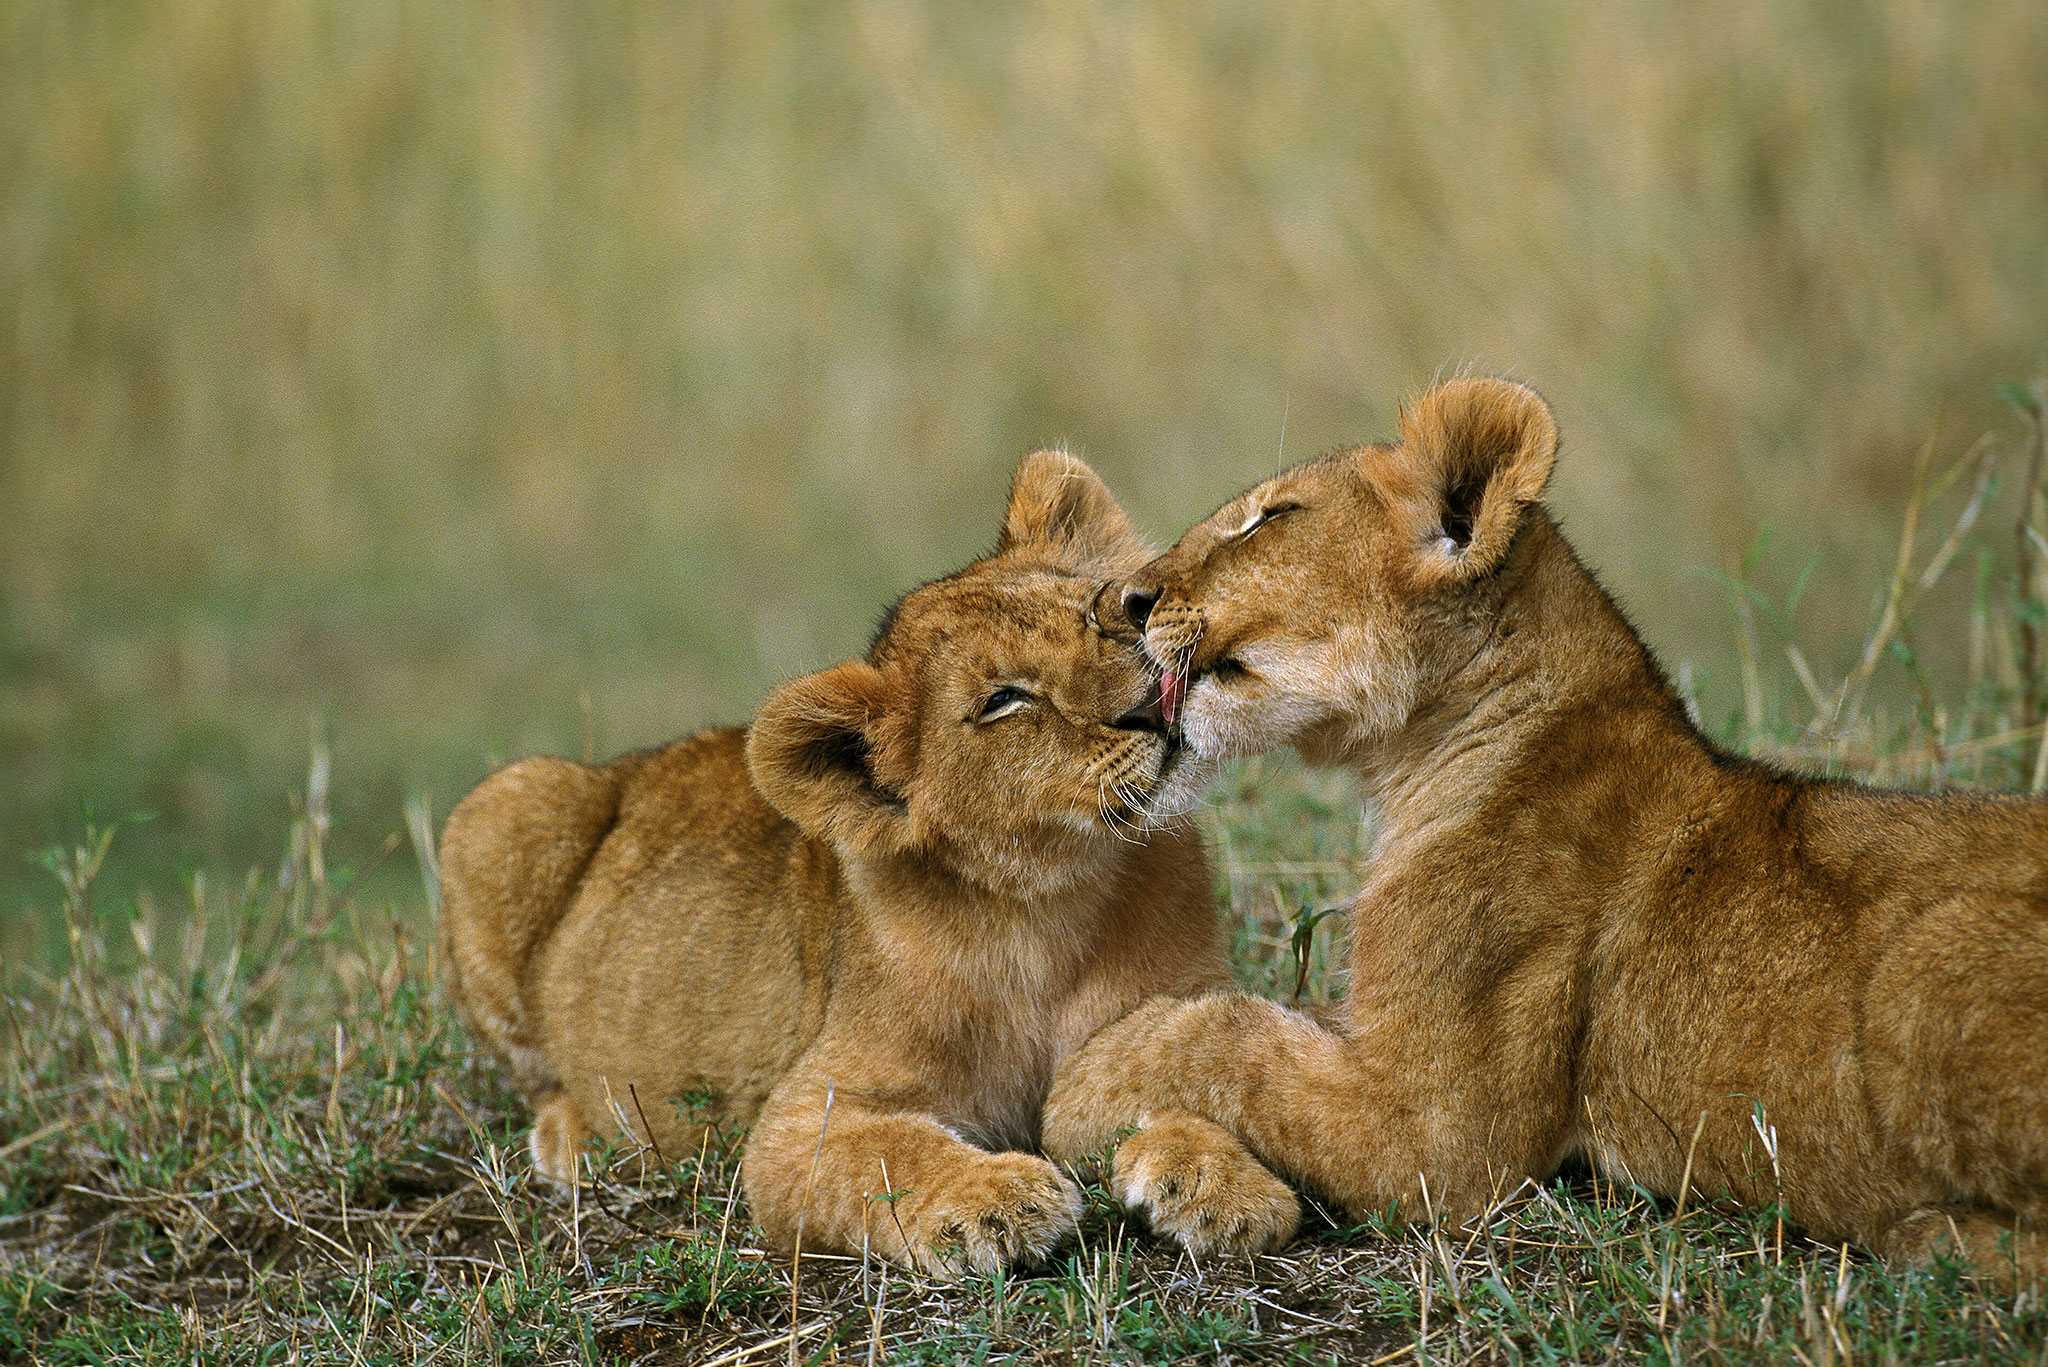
{"x": 1173, "y": 686}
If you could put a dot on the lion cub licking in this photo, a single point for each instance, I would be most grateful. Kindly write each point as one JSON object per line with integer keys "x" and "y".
{"x": 1586, "y": 933}
{"x": 871, "y": 924}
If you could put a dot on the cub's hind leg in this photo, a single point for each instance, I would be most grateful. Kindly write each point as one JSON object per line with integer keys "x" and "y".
{"x": 560, "y": 1135}
{"x": 512, "y": 856}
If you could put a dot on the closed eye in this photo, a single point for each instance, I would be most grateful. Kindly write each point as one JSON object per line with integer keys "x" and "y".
{"x": 1229, "y": 669}
{"x": 1263, "y": 516}
{"x": 1001, "y": 703}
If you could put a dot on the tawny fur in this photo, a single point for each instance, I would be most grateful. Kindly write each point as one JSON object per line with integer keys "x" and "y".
{"x": 1586, "y": 933}
{"x": 869, "y": 926}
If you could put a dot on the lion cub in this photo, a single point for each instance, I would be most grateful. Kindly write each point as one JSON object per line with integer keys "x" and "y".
{"x": 871, "y": 924}
{"x": 1587, "y": 932}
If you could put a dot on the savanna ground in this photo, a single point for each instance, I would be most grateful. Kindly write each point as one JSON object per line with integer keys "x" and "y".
{"x": 406, "y": 388}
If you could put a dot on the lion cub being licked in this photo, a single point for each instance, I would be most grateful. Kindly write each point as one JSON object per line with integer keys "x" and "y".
{"x": 872, "y": 923}
{"x": 1586, "y": 932}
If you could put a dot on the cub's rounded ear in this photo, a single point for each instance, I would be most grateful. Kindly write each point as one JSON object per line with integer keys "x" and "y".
{"x": 1062, "y": 509}
{"x": 813, "y": 753}
{"x": 1477, "y": 453}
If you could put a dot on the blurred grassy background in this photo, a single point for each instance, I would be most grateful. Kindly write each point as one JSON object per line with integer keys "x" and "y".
{"x": 464, "y": 379}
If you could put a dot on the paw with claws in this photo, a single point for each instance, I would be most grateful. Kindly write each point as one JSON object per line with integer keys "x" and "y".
{"x": 1004, "y": 1209}
{"x": 1194, "y": 1182}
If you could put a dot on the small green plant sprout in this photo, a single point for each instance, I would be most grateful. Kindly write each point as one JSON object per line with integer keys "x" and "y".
{"x": 1303, "y": 942}
{"x": 697, "y": 1105}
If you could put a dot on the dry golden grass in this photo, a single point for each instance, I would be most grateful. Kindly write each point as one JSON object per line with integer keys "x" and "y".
{"x": 427, "y": 370}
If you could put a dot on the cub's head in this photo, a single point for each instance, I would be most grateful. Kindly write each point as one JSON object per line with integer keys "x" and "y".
{"x": 1318, "y": 609}
{"x": 998, "y": 723}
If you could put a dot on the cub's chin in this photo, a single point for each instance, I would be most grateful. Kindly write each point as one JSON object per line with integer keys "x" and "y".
{"x": 1216, "y": 727}
{"x": 1184, "y": 776}
{"x": 1238, "y": 726}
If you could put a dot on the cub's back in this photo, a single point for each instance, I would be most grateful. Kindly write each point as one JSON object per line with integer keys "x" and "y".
{"x": 1972, "y": 839}
{"x": 690, "y": 923}
{"x": 689, "y": 817}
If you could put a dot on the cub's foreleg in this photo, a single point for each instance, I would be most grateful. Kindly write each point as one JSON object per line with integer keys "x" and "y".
{"x": 826, "y": 1168}
{"x": 1194, "y": 1182}
{"x": 1301, "y": 1098}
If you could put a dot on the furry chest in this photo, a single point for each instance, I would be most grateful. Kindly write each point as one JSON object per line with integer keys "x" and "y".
{"x": 996, "y": 1067}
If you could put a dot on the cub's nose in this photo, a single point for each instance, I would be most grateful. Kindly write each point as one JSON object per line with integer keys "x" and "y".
{"x": 1138, "y": 605}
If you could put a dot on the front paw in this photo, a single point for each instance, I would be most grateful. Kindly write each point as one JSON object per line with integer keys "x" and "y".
{"x": 1194, "y": 1182}
{"x": 1000, "y": 1210}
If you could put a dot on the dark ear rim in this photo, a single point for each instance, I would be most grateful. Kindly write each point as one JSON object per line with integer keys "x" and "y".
{"x": 1483, "y": 450}
{"x": 812, "y": 753}
{"x": 1061, "y": 509}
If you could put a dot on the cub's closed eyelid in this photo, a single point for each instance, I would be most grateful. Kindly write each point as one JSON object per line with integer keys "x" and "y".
{"x": 1279, "y": 510}
{"x": 1265, "y": 515}
{"x": 1001, "y": 702}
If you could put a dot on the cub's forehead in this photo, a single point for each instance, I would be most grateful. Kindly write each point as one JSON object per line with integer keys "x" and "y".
{"x": 982, "y": 611}
{"x": 1302, "y": 484}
